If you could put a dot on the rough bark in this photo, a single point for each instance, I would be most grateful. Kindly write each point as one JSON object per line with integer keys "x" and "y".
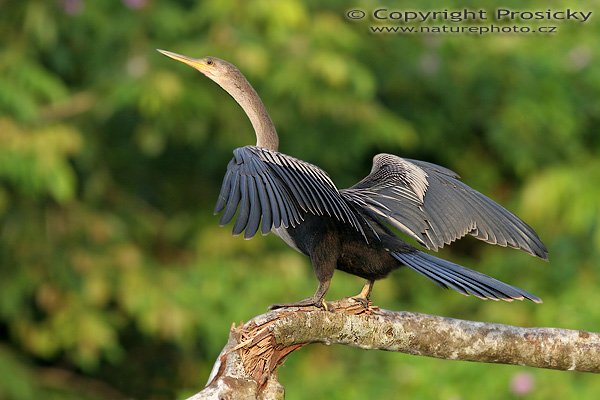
{"x": 247, "y": 366}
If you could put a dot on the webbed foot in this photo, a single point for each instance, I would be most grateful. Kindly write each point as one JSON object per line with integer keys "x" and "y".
{"x": 309, "y": 302}
{"x": 317, "y": 299}
{"x": 362, "y": 300}
{"x": 363, "y": 296}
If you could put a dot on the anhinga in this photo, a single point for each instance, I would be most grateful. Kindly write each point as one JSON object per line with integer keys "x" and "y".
{"x": 347, "y": 229}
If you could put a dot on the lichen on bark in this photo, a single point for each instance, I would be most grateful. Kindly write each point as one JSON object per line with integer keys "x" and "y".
{"x": 247, "y": 365}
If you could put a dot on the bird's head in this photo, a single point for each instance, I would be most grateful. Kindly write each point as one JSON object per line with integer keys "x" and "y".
{"x": 214, "y": 68}
{"x": 233, "y": 81}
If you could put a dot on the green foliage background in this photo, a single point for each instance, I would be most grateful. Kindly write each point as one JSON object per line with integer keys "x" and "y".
{"x": 115, "y": 279}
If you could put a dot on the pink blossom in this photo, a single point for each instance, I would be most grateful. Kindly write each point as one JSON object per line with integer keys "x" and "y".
{"x": 522, "y": 384}
{"x": 135, "y": 4}
{"x": 72, "y": 7}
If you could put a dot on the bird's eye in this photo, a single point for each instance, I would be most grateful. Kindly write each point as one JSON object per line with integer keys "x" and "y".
{"x": 210, "y": 62}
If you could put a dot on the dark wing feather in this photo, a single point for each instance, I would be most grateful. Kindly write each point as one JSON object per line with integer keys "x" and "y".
{"x": 255, "y": 209}
{"x": 233, "y": 198}
{"x": 432, "y": 205}
{"x": 270, "y": 190}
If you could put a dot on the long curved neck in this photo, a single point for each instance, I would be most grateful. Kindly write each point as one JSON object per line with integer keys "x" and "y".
{"x": 248, "y": 99}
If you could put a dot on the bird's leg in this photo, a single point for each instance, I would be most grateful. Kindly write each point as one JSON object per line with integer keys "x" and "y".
{"x": 363, "y": 296}
{"x": 316, "y": 300}
{"x": 323, "y": 257}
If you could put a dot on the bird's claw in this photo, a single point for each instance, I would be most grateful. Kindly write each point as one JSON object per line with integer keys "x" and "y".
{"x": 310, "y": 302}
{"x": 362, "y": 300}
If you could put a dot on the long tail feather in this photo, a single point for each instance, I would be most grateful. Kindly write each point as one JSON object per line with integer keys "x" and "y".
{"x": 461, "y": 279}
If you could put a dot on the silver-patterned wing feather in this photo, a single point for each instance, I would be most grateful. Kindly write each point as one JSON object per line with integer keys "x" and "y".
{"x": 431, "y": 204}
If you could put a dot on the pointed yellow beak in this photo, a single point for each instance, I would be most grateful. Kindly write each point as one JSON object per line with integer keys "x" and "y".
{"x": 192, "y": 62}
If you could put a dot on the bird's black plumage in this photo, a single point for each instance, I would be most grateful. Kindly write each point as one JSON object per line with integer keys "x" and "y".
{"x": 347, "y": 229}
{"x": 299, "y": 202}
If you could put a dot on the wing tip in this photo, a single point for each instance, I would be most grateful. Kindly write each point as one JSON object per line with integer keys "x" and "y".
{"x": 537, "y": 300}
{"x": 543, "y": 254}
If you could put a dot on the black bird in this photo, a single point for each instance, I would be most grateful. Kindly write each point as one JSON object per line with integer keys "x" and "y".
{"x": 347, "y": 228}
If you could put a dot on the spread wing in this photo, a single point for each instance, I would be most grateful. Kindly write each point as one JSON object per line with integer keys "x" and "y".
{"x": 272, "y": 189}
{"x": 431, "y": 204}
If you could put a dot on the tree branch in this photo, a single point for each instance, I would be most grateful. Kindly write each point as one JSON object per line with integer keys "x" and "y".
{"x": 247, "y": 366}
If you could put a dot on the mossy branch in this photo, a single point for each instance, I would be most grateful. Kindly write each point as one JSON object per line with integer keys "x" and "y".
{"x": 247, "y": 366}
